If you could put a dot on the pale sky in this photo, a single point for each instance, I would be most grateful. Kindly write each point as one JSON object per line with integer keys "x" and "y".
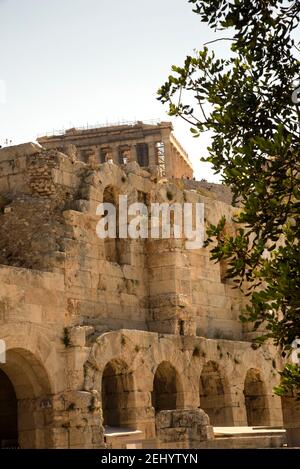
{"x": 66, "y": 63}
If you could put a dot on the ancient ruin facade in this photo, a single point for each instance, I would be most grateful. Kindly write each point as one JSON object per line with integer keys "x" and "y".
{"x": 141, "y": 335}
{"x": 153, "y": 146}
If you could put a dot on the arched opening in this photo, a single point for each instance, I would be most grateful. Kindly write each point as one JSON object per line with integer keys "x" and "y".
{"x": 167, "y": 389}
{"x": 214, "y": 395}
{"x": 8, "y": 413}
{"x": 256, "y": 399}
{"x": 117, "y": 395}
{"x": 25, "y": 403}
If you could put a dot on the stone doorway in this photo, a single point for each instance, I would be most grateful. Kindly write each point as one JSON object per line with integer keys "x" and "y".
{"x": 117, "y": 395}
{"x": 25, "y": 402}
{"x": 256, "y": 399}
{"x": 167, "y": 389}
{"x": 214, "y": 396}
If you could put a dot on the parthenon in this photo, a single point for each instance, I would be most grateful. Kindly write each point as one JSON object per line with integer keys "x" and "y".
{"x": 152, "y": 146}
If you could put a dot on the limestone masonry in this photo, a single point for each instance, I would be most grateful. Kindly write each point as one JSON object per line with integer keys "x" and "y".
{"x": 118, "y": 342}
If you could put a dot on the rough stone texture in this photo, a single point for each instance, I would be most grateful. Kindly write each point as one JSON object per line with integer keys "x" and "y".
{"x": 210, "y": 189}
{"x": 185, "y": 428}
{"x": 153, "y": 146}
{"x": 291, "y": 415}
{"x": 113, "y": 332}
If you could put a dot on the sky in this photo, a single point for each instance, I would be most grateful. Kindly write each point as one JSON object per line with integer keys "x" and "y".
{"x": 66, "y": 63}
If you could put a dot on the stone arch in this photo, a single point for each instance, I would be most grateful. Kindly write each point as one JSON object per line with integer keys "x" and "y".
{"x": 117, "y": 391}
{"x": 215, "y": 396}
{"x": 27, "y": 385}
{"x": 142, "y": 352}
{"x": 256, "y": 401}
{"x": 167, "y": 391}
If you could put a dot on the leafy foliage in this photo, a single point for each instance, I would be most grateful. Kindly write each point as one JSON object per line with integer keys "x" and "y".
{"x": 245, "y": 102}
{"x": 290, "y": 379}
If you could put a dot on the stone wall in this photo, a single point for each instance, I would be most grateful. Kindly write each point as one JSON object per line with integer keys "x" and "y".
{"x": 123, "y": 328}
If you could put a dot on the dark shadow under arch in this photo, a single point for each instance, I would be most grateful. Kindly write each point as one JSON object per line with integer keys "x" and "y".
{"x": 256, "y": 399}
{"x": 117, "y": 394}
{"x": 214, "y": 395}
{"x": 167, "y": 388}
{"x": 25, "y": 386}
{"x": 8, "y": 413}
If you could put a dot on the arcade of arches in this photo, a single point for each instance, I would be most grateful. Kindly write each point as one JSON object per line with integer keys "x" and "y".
{"x": 28, "y": 411}
{"x": 25, "y": 406}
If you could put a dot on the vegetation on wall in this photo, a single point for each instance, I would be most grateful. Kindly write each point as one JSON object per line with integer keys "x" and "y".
{"x": 250, "y": 103}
